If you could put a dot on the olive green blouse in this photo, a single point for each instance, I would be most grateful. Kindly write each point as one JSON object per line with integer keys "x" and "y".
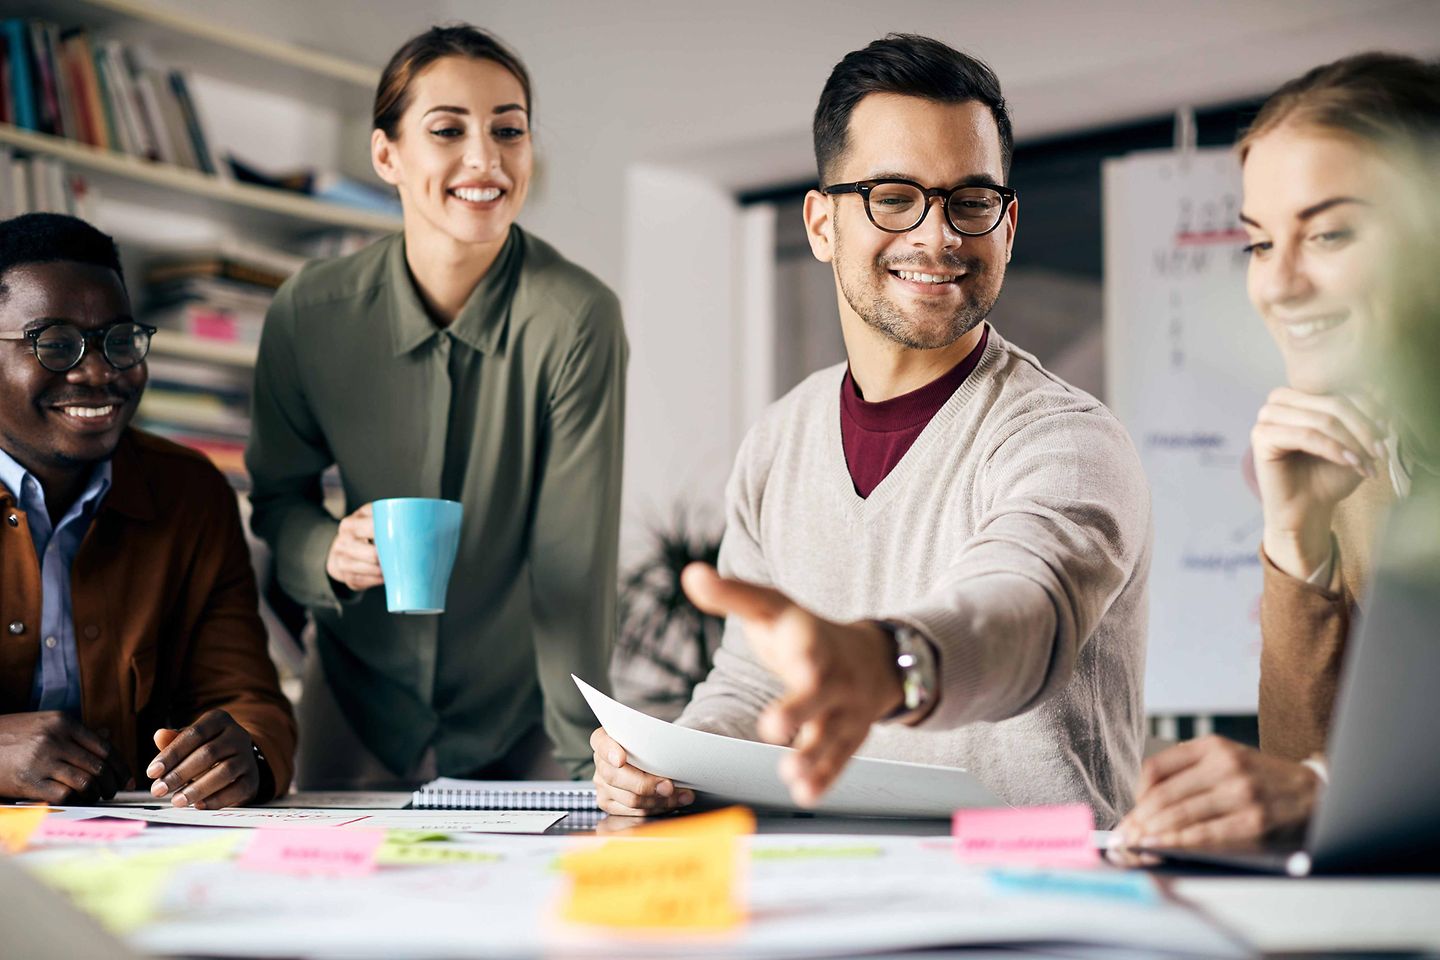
{"x": 516, "y": 410}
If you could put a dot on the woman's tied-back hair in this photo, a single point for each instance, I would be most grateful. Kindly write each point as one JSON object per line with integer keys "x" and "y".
{"x": 393, "y": 95}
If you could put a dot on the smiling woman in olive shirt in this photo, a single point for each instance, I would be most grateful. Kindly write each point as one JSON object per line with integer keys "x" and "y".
{"x": 462, "y": 359}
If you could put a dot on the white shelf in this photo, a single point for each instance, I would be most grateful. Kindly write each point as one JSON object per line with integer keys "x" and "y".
{"x": 274, "y": 211}
{"x": 188, "y": 42}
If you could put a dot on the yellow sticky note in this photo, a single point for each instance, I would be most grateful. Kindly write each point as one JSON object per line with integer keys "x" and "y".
{"x": 684, "y": 874}
{"x": 16, "y": 825}
{"x": 119, "y": 893}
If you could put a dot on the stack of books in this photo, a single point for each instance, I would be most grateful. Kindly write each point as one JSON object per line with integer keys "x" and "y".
{"x": 42, "y": 185}
{"x": 209, "y": 307}
{"x": 99, "y": 92}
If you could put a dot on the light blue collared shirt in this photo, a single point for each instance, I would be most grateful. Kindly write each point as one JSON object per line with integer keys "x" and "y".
{"x": 57, "y": 673}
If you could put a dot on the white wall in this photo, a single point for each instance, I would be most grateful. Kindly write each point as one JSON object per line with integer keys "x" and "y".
{"x": 693, "y": 100}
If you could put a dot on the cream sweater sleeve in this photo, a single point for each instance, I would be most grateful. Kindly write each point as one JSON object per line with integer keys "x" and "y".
{"x": 1065, "y": 527}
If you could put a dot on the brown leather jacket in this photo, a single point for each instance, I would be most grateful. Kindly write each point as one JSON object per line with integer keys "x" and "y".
{"x": 165, "y": 609}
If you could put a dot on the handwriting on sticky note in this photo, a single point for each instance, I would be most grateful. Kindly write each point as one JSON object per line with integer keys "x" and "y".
{"x": 335, "y": 853}
{"x": 17, "y": 824}
{"x": 682, "y": 874}
{"x": 391, "y": 853}
{"x": 1037, "y": 836}
{"x": 100, "y": 830}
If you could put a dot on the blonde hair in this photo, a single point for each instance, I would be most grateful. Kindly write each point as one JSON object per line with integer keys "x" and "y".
{"x": 1385, "y": 99}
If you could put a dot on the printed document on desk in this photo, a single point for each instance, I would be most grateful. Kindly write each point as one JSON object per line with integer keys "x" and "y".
{"x": 747, "y": 772}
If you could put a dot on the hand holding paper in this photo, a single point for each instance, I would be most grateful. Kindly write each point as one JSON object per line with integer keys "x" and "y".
{"x": 624, "y": 789}
{"x": 839, "y": 678}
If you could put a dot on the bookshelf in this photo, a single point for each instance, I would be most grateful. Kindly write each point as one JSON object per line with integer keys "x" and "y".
{"x": 240, "y": 205}
{"x": 190, "y": 42}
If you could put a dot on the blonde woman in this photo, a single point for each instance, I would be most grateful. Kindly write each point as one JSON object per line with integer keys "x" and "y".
{"x": 1323, "y": 165}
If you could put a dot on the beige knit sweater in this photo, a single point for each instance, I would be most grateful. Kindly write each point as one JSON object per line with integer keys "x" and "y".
{"x": 1015, "y": 534}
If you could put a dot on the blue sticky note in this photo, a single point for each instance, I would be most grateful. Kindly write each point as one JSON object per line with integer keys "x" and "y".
{"x": 1132, "y": 887}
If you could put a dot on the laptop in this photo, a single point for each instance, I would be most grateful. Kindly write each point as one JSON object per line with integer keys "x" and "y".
{"x": 1380, "y": 812}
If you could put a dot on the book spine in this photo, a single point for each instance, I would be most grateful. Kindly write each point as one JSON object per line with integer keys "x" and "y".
{"x": 113, "y": 133}
{"x": 192, "y": 122}
{"x": 46, "y": 99}
{"x": 21, "y": 83}
{"x": 69, "y": 123}
{"x": 90, "y": 90}
{"x": 7, "y": 100}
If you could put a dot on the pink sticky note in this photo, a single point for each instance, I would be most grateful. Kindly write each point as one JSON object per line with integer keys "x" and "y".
{"x": 101, "y": 830}
{"x": 335, "y": 853}
{"x": 1036, "y": 836}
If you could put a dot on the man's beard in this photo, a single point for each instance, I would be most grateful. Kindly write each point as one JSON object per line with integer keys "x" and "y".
{"x": 882, "y": 314}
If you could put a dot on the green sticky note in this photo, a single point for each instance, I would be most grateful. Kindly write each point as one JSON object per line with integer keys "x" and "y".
{"x": 414, "y": 836}
{"x": 816, "y": 853}
{"x": 123, "y": 892}
{"x": 407, "y": 853}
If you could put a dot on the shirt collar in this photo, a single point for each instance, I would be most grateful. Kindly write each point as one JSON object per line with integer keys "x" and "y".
{"x": 482, "y": 321}
{"x": 13, "y": 476}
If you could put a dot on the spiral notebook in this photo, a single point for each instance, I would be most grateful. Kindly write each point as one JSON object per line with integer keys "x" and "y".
{"x": 448, "y": 793}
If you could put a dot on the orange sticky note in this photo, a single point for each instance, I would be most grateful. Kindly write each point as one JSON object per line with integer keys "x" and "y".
{"x": 729, "y": 822}
{"x": 682, "y": 874}
{"x": 1034, "y": 836}
{"x": 16, "y": 825}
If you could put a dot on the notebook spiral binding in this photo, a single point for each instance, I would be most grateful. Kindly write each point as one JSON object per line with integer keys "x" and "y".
{"x": 576, "y": 800}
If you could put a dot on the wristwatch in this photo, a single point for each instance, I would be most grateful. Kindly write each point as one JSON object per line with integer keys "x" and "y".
{"x": 915, "y": 662}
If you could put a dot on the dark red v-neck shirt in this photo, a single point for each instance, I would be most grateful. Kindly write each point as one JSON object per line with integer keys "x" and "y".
{"x": 877, "y": 435}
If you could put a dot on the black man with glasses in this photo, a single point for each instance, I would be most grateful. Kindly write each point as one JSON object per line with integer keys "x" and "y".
{"x": 936, "y": 552}
{"x": 132, "y": 653}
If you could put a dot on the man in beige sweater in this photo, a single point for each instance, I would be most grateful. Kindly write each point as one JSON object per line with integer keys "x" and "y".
{"x": 938, "y": 552}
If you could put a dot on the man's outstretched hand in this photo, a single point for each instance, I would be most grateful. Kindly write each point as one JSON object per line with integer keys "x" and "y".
{"x": 839, "y": 678}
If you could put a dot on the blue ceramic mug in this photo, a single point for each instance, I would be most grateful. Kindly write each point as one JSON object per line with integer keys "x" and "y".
{"x": 417, "y": 538}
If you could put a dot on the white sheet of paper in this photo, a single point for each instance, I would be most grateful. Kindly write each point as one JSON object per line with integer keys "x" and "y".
{"x": 461, "y": 821}
{"x": 748, "y": 772}
{"x": 244, "y": 817}
{"x": 439, "y": 821}
{"x": 342, "y": 800}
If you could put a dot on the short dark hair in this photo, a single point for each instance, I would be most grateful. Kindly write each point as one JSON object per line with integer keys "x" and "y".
{"x": 392, "y": 96}
{"x": 54, "y": 238}
{"x": 910, "y": 65}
